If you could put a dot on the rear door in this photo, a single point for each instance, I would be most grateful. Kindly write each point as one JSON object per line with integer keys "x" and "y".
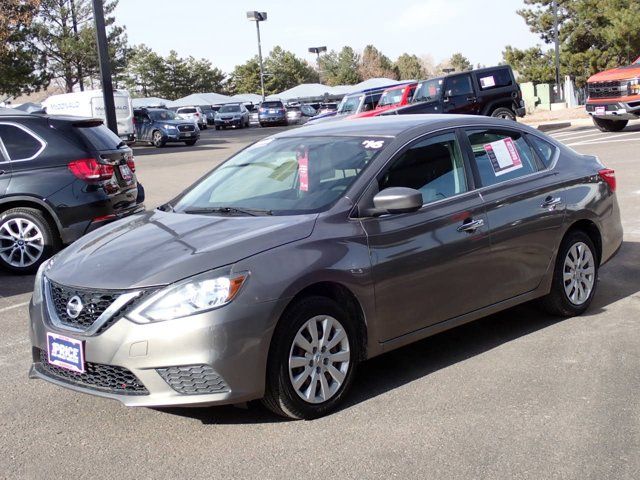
{"x": 427, "y": 264}
{"x": 459, "y": 95}
{"x": 5, "y": 166}
{"x": 525, "y": 207}
{"x": 21, "y": 153}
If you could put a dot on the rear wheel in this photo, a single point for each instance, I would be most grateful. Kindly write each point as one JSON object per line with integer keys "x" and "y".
{"x": 610, "y": 125}
{"x": 26, "y": 240}
{"x": 505, "y": 113}
{"x": 217, "y": 127}
{"x": 575, "y": 277}
{"x": 312, "y": 359}
{"x": 157, "y": 139}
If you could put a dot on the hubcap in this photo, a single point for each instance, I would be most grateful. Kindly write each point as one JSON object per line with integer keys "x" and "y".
{"x": 579, "y": 273}
{"x": 21, "y": 242}
{"x": 319, "y": 359}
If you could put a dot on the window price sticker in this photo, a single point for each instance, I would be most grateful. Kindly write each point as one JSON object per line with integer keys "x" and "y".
{"x": 303, "y": 169}
{"x": 503, "y": 155}
{"x": 487, "y": 82}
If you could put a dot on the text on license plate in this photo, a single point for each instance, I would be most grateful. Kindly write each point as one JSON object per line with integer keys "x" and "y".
{"x": 600, "y": 110}
{"x": 126, "y": 173}
{"x": 65, "y": 352}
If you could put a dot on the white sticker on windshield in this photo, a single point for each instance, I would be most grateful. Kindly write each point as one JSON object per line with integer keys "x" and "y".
{"x": 504, "y": 156}
{"x": 373, "y": 144}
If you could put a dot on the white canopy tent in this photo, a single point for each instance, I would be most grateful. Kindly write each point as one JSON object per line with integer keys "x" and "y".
{"x": 210, "y": 98}
{"x": 246, "y": 98}
{"x": 151, "y": 102}
{"x": 305, "y": 91}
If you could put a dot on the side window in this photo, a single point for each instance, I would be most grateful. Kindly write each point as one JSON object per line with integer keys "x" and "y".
{"x": 545, "y": 150}
{"x": 20, "y": 144}
{"x": 501, "y": 155}
{"x": 433, "y": 166}
{"x": 495, "y": 79}
{"x": 458, "y": 85}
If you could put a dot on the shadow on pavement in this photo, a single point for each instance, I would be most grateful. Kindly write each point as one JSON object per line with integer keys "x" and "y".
{"x": 11, "y": 285}
{"x": 620, "y": 278}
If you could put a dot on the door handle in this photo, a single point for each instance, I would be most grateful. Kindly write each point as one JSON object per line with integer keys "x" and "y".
{"x": 551, "y": 202}
{"x": 471, "y": 226}
{"x": 471, "y": 99}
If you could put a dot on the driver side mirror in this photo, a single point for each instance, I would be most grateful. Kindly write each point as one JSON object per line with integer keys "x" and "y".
{"x": 397, "y": 200}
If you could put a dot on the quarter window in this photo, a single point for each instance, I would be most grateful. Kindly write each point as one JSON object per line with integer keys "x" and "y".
{"x": 491, "y": 79}
{"x": 544, "y": 150}
{"x": 433, "y": 166}
{"x": 501, "y": 155}
{"x": 20, "y": 144}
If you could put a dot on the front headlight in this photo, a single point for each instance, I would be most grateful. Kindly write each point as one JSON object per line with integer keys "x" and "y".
{"x": 39, "y": 280}
{"x": 169, "y": 128}
{"x": 191, "y": 296}
{"x": 634, "y": 86}
{"x": 216, "y": 116}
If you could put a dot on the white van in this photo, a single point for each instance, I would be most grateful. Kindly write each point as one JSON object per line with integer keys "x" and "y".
{"x": 90, "y": 103}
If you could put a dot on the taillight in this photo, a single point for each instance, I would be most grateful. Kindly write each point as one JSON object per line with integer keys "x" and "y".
{"x": 609, "y": 176}
{"x": 89, "y": 170}
{"x": 131, "y": 163}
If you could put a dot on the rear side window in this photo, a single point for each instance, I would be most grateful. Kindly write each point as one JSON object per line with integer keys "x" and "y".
{"x": 100, "y": 137}
{"x": 545, "y": 150}
{"x": 495, "y": 79}
{"x": 501, "y": 155}
{"x": 20, "y": 144}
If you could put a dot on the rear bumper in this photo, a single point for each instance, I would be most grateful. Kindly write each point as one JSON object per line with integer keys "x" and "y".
{"x": 521, "y": 111}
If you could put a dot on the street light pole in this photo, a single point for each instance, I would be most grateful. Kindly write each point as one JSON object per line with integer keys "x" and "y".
{"x": 318, "y": 51}
{"x": 557, "y": 46}
{"x": 259, "y": 17}
{"x": 105, "y": 67}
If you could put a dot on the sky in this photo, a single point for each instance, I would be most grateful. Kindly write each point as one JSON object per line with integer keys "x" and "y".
{"x": 219, "y": 31}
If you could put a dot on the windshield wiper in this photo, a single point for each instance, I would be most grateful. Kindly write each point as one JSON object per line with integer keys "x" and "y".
{"x": 254, "y": 212}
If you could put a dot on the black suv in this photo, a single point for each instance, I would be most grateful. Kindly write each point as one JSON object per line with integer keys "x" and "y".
{"x": 60, "y": 177}
{"x": 159, "y": 126}
{"x": 493, "y": 92}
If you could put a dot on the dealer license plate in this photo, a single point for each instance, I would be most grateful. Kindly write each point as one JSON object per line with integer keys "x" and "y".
{"x": 600, "y": 110}
{"x": 65, "y": 352}
{"x": 127, "y": 174}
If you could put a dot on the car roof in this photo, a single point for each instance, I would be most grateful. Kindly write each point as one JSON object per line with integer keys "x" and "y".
{"x": 393, "y": 125}
{"x": 12, "y": 112}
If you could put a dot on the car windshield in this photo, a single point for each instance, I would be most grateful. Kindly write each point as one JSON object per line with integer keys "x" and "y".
{"x": 229, "y": 109}
{"x": 428, "y": 90}
{"x": 283, "y": 176}
{"x": 350, "y": 104}
{"x": 163, "y": 115}
{"x": 391, "y": 97}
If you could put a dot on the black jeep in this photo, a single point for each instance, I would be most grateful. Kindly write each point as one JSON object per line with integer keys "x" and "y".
{"x": 493, "y": 92}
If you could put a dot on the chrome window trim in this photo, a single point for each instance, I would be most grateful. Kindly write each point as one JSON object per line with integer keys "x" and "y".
{"x": 43, "y": 143}
{"x": 117, "y": 304}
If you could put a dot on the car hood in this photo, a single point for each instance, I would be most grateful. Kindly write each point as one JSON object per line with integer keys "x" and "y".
{"x": 158, "y": 248}
{"x": 621, "y": 73}
{"x": 172, "y": 122}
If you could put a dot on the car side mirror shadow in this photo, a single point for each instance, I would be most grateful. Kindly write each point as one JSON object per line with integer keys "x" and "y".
{"x": 395, "y": 200}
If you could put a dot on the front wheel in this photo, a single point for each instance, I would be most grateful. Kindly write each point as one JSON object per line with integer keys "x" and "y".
{"x": 610, "y": 125}
{"x": 26, "y": 240}
{"x": 575, "y": 277}
{"x": 505, "y": 113}
{"x": 312, "y": 359}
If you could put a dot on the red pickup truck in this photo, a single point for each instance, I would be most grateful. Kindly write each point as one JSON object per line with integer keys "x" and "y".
{"x": 393, "y": 97}
{"x": 614, "y": 97}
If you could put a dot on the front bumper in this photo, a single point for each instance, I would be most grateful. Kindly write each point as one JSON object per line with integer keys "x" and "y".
{"x": 233, "y": 342}
{"x": 613, "y": 110}
{"x": 182, "y": 136}
{"x": 229, "y": 123}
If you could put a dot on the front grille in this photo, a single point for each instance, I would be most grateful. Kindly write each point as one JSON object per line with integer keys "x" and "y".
{"x": 94, "y": 303}
{"x": 611, "y": 89}
{"x": 104, "y": 378}
{"x": 193, "y": 379}
{"x": 187, "y": 128}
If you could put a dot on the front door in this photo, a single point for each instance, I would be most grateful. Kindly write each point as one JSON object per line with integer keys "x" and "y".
{"x": 525, "y": 207}
{"x": 426, "y": 264}
{"x": 459, "y": 96}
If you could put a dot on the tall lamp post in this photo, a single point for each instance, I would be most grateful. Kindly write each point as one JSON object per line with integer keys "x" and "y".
{"x": 105, "y": 66}
{"x": 557, "y": 47}
{"x": 259, "y": 17}
{"x": 318, "y": 51}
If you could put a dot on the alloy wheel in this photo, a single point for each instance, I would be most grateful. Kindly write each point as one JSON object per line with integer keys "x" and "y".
{"x": 579, "y": 273}
{"x": 319, "y": 359}
{"x": 21, "y": 242}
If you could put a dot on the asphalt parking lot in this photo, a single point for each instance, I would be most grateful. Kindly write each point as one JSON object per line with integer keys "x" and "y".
{"x": 515, "y": 395}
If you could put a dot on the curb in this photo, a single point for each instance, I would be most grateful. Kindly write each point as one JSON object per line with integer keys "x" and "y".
{"x": 547, "y": 127}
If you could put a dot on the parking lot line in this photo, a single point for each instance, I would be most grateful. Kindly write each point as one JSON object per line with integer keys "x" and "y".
{"x": 608, "y": 139}
{"x": 18, "y": 305}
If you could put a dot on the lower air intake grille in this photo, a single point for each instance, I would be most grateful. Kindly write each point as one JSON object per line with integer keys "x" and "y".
{"x": 193, "y": 379}
{"x": 104, "y": 378}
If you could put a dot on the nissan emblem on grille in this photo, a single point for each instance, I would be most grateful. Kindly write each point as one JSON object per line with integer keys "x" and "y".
{"x": 74, "y": 307}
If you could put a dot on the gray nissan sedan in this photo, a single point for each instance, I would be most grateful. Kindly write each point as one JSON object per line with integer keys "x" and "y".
{"x": 310, "y": 251}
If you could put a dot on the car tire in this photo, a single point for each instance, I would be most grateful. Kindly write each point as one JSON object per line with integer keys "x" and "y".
{"x": 312, "y": 363}
{"x": 576, "y": 265}
{"x": 203, "y": 127}
{"x": 217, "y": 127}
{"x": 609, "y": 125}
{"x": 505, "y": 113}
{"x": 157, "y": 139}
{"x": 190, "y": 143}
{"x": 39, "y": 240}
